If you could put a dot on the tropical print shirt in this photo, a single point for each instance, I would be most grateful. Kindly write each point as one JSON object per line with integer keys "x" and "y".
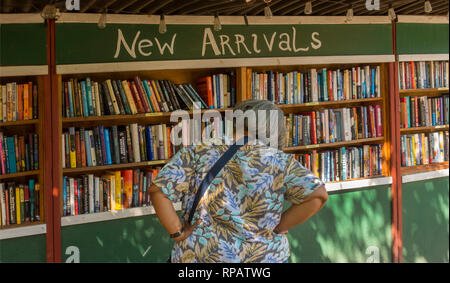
{"x": 242, "y": 205}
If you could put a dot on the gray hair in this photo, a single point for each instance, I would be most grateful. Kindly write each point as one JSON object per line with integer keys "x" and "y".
{"x": 264, "y": 123}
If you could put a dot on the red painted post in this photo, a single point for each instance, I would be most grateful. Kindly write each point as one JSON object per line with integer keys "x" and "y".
{"x": 394, "y": 107}
{"x": 46, "y": 139}
{"x": 56, "y": 158}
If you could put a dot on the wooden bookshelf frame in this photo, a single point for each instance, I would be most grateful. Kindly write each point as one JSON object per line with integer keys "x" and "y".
{"x": 242, "y": 93}
{"x": 177, "y": 76}
{"x": 23, "y": 127}
{"x": 383, "y": 100}
{"x": 428, "y": 92}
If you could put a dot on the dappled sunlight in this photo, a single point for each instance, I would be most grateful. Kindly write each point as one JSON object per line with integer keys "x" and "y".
{"x": 345, "y": 228}
{"x": 137, "y": 239}
{"x": 426, "y": 221}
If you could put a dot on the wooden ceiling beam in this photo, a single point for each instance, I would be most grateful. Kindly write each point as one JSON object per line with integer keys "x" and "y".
{"x": 280, "y": 6}
{"x": 178, "y": 5}
{"x": 207, "y": 4}
{"x": 141, "y": 6}
{"x": 123, "y": 5}
{"x": 27, "y": 6}
{"x": 252, "y": 7}
{"x": 421, "y": 9}
{"x": 319, "y": 10}
{"x": 158, "y": 5}
{"x": 106, "y": 6}
{"x": 7, "y": 6}
{"x": 208, "y": 11}
{"x": 299, "y": 10}
{"x": 84, "y": 7}
{"x": 272, "y": 4}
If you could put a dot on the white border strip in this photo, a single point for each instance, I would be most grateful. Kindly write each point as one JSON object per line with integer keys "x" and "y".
{"x": 12, "y": 71}
{"x": 25, "y": 231}
{"x": 110, "y": 215}
{"x": 357, "y": 184}
{"x": 224, "y": 20}
{"x": 425, "y": 176}
{"x": 219, "y": 63}
{"x": 423, "y": 57}
{"x": 423, "y": 19}
{"x": 20, "y": 18}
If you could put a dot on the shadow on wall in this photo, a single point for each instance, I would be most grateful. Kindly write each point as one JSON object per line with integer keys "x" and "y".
{"x": 352, "y": 227}
{"x": 426, "y": 221}
{"x": 140, "y": 239}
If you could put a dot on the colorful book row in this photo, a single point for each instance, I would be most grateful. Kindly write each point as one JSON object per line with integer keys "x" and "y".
{"x": 19, "y": 203}
{"x": 18, "y": 102}
{"x": 422, "y": 111}
{"x": 334, "y": 125}
{"x": 84, "y": 98}
{"x": 424, "y": 148}
{"x": 421, "y": 74}
{"x": 112, "y": 191}
{"x": 19, "y": 153}
{"x": 344, "y": 163}
{"x": 115, "y": 145}
{"x": 317, "y": 85}
{"x": 218, "y": 91}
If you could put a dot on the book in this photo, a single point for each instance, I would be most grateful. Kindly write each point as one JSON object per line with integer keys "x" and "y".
{"x": 15, "y": 101}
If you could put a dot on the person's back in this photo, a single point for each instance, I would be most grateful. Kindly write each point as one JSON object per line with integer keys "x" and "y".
{"x": 242, "y": 206}
{"x": 239, "y": 218}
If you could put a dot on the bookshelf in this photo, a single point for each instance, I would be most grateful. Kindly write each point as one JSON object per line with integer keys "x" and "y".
{"x": 242, "y": 92}
{"x": 143, "y": 119}
{"x": 427, "y": 168}
{"x": 348, "y": 103}
{"x": 21, "y": 75}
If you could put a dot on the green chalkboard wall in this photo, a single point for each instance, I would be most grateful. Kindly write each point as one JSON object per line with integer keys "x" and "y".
{"x": 23, "y": 249}
{"x": 23, "y": 44}
{"x": 426, "y": 221}
{"x": 351, "y": 228}
{"x": 79, "y": 43}
{"x": 420, "y": 38}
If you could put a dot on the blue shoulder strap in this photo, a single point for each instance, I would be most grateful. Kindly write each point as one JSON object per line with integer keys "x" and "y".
{"x": 223, "y": 160}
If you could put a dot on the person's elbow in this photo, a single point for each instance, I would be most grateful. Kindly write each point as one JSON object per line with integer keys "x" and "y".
{"x": 323, "y": 194}
{"x": 320, "y": 194}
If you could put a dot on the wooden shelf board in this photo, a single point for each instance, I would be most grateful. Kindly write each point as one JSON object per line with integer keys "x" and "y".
{"x": 143, "y": 118}
{"x": 333, "y": 145}
{"x": 22, "y": 230}
{"x": 358, "y": 183}
{"x": 328, "y": 104}
{"x": 423, "y": 92}
{"x": 424, "y": 168}
{"x": 428, "y": 129}
{"x": 111, "y": 215}
{"x": 19, "y": 123}
{"x": 19, "y": 174}
{"x": 92, "y": 169}
{"x": 417, "y": 177}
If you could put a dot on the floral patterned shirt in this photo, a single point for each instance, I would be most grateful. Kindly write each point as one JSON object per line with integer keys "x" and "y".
{"x": 242, "y": 205}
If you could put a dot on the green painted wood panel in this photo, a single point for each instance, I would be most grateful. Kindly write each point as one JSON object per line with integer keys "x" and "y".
{"x": 343, "y": 231}
{"x": 80, "y": 43}
{"x": 419, "y": 38}
{"x": 23, "y": 249}
{"x": 352, "y": 227}
{"x": 23, "y": 44}
{"x": 425, "y": 207}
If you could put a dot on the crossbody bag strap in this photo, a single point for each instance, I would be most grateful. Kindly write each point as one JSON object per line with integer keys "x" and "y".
{"x": 223, "y": 160}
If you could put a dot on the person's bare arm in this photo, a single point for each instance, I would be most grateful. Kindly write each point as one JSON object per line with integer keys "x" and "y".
{"x": 299, "y": 213}
{"x": 168, "y": 216}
